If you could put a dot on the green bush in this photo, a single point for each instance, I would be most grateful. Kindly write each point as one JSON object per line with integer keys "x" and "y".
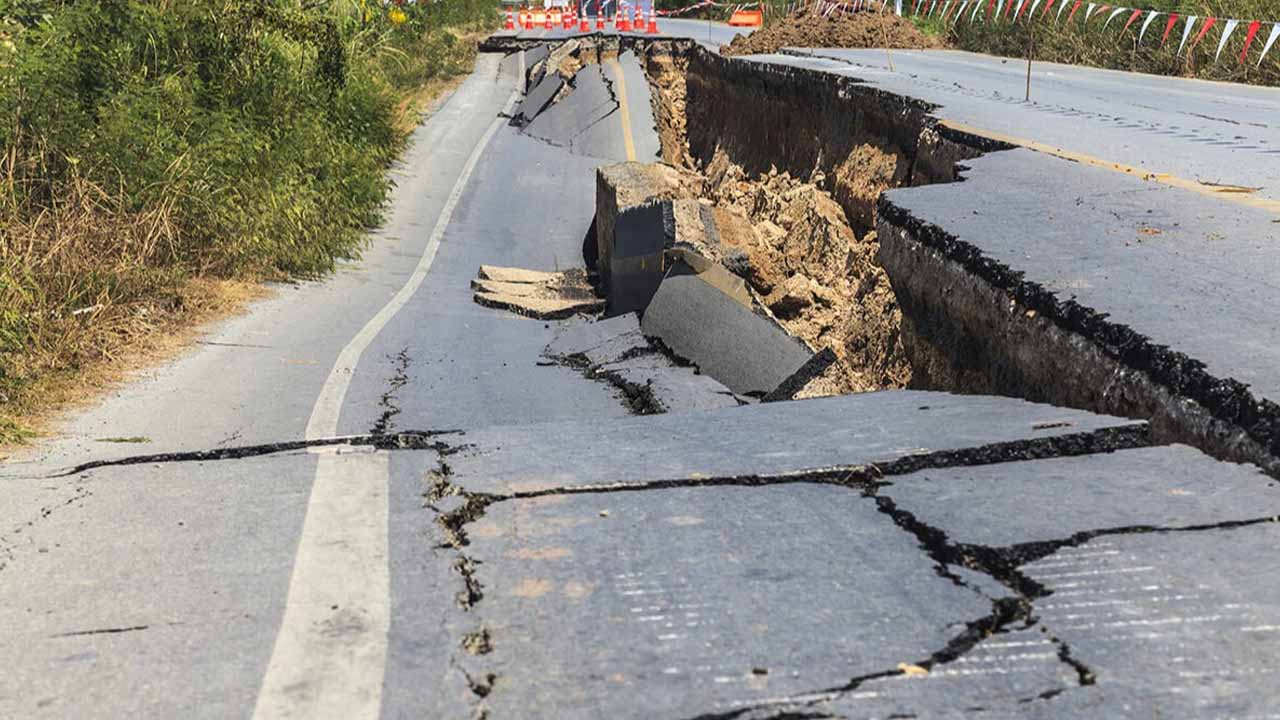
{"x": 235, "y": 138}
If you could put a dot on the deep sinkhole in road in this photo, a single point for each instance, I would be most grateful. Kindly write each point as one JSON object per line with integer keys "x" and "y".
{"x": 791, "y": 169}
{"x": 793, "y": 166}
{"x": 802, "y": 169}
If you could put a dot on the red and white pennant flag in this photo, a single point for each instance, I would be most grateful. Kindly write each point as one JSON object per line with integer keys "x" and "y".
{"x": 1015, "y": 10}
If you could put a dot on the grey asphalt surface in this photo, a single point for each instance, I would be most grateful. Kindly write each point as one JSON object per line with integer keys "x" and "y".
{"x": 893, "y": 552}
{"x": 1170, "y": 264}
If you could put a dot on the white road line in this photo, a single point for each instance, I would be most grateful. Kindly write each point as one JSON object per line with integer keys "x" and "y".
{"x": 331, "y": 651}
{"x": 324, "y": 416}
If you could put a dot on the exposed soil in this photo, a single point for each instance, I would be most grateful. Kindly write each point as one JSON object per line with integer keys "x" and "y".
{"x": 666, "y": 74}
{"x": 805, "y": 245}
{"x": 806, "y": 28}
{"x": 818, "y": 278}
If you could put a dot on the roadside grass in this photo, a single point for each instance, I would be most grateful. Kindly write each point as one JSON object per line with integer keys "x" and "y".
{"x": 930, "y": 25}
{"x": 161, "y": 159}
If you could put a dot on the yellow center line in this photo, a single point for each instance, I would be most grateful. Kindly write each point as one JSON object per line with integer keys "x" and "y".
{"x": 1231, "y": 193}
{"x": 623, "y": 110}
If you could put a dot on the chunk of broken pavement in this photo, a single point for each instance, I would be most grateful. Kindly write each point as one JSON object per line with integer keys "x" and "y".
{"x": 623, "y": 186}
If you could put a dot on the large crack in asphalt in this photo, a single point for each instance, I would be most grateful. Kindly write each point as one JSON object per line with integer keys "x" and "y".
{"x": 639, "y": 398}
{"x": 566, "y": 93}
{"x": 456, "y": 507}
{"x": 1002, "y": 564}
{"x": 999, "y": 563}
{"x": 402, "y": 440}
{"x": 388, "y": 400}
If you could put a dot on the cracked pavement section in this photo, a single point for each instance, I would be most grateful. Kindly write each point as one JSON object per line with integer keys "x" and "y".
{"x": 651, "y": 380}
{"x": 890, "y": 554}
{"x": 710, "y": 592}
{"x": 725, "y": 566}
{"x": 873, "y": 430}
{"x": 575, "y": 116}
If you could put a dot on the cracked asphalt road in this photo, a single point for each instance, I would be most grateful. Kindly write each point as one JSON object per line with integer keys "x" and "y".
{"x": 487, "y": 534}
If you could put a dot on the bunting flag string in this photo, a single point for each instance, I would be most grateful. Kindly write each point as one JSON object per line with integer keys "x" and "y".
{"x": 1112, "y": 16}
{"x": 1074, "y": 8}
{"x": 1194, "y": 27}
{"x": 1208, "y": 23}
{"x": 1062, "y": 7}
{"x": 1129, "y": 22}
{"x": 1186, "y": 31}
{"x": 1248, "y": 38}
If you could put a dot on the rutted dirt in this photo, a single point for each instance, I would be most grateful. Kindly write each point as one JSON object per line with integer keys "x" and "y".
{"x": 808, "y": 28}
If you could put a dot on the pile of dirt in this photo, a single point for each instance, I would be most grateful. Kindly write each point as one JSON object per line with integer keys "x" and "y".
{"x": 808, "y": 267}
{"x": 808, "y": 28}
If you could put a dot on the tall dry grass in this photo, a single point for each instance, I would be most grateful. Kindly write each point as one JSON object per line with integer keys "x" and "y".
{"x": 156, "y": 155}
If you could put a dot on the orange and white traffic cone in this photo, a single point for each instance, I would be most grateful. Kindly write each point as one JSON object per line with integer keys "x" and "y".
{"x": 638, "y": 25}
{"x": 622, "y": 24}
{"x": 511, "y": 19}
{"x": 653, "y": 23}
{"x": 547, "y": 25}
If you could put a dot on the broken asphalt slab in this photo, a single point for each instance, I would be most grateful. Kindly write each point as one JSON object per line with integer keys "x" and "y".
{"x": 537, "y": 99}
{"x": 684, "y": 599}
{"x": 584, "y": 115}
{"x": 1125, "y": 560}
{"x": 720, "y": 601}
{"x": 1047, "y": 500}
{"x": 586, "y": 102}
{"x": 900, "y": 428}
{"x": 732, "y": 343}
{"x": 1182, "y": 624}
{"x": 614, "y": 350}
{"x": 1164, "y": 296}
{"x": 1146, "y": 121}
{"x": 599, "y": 341}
